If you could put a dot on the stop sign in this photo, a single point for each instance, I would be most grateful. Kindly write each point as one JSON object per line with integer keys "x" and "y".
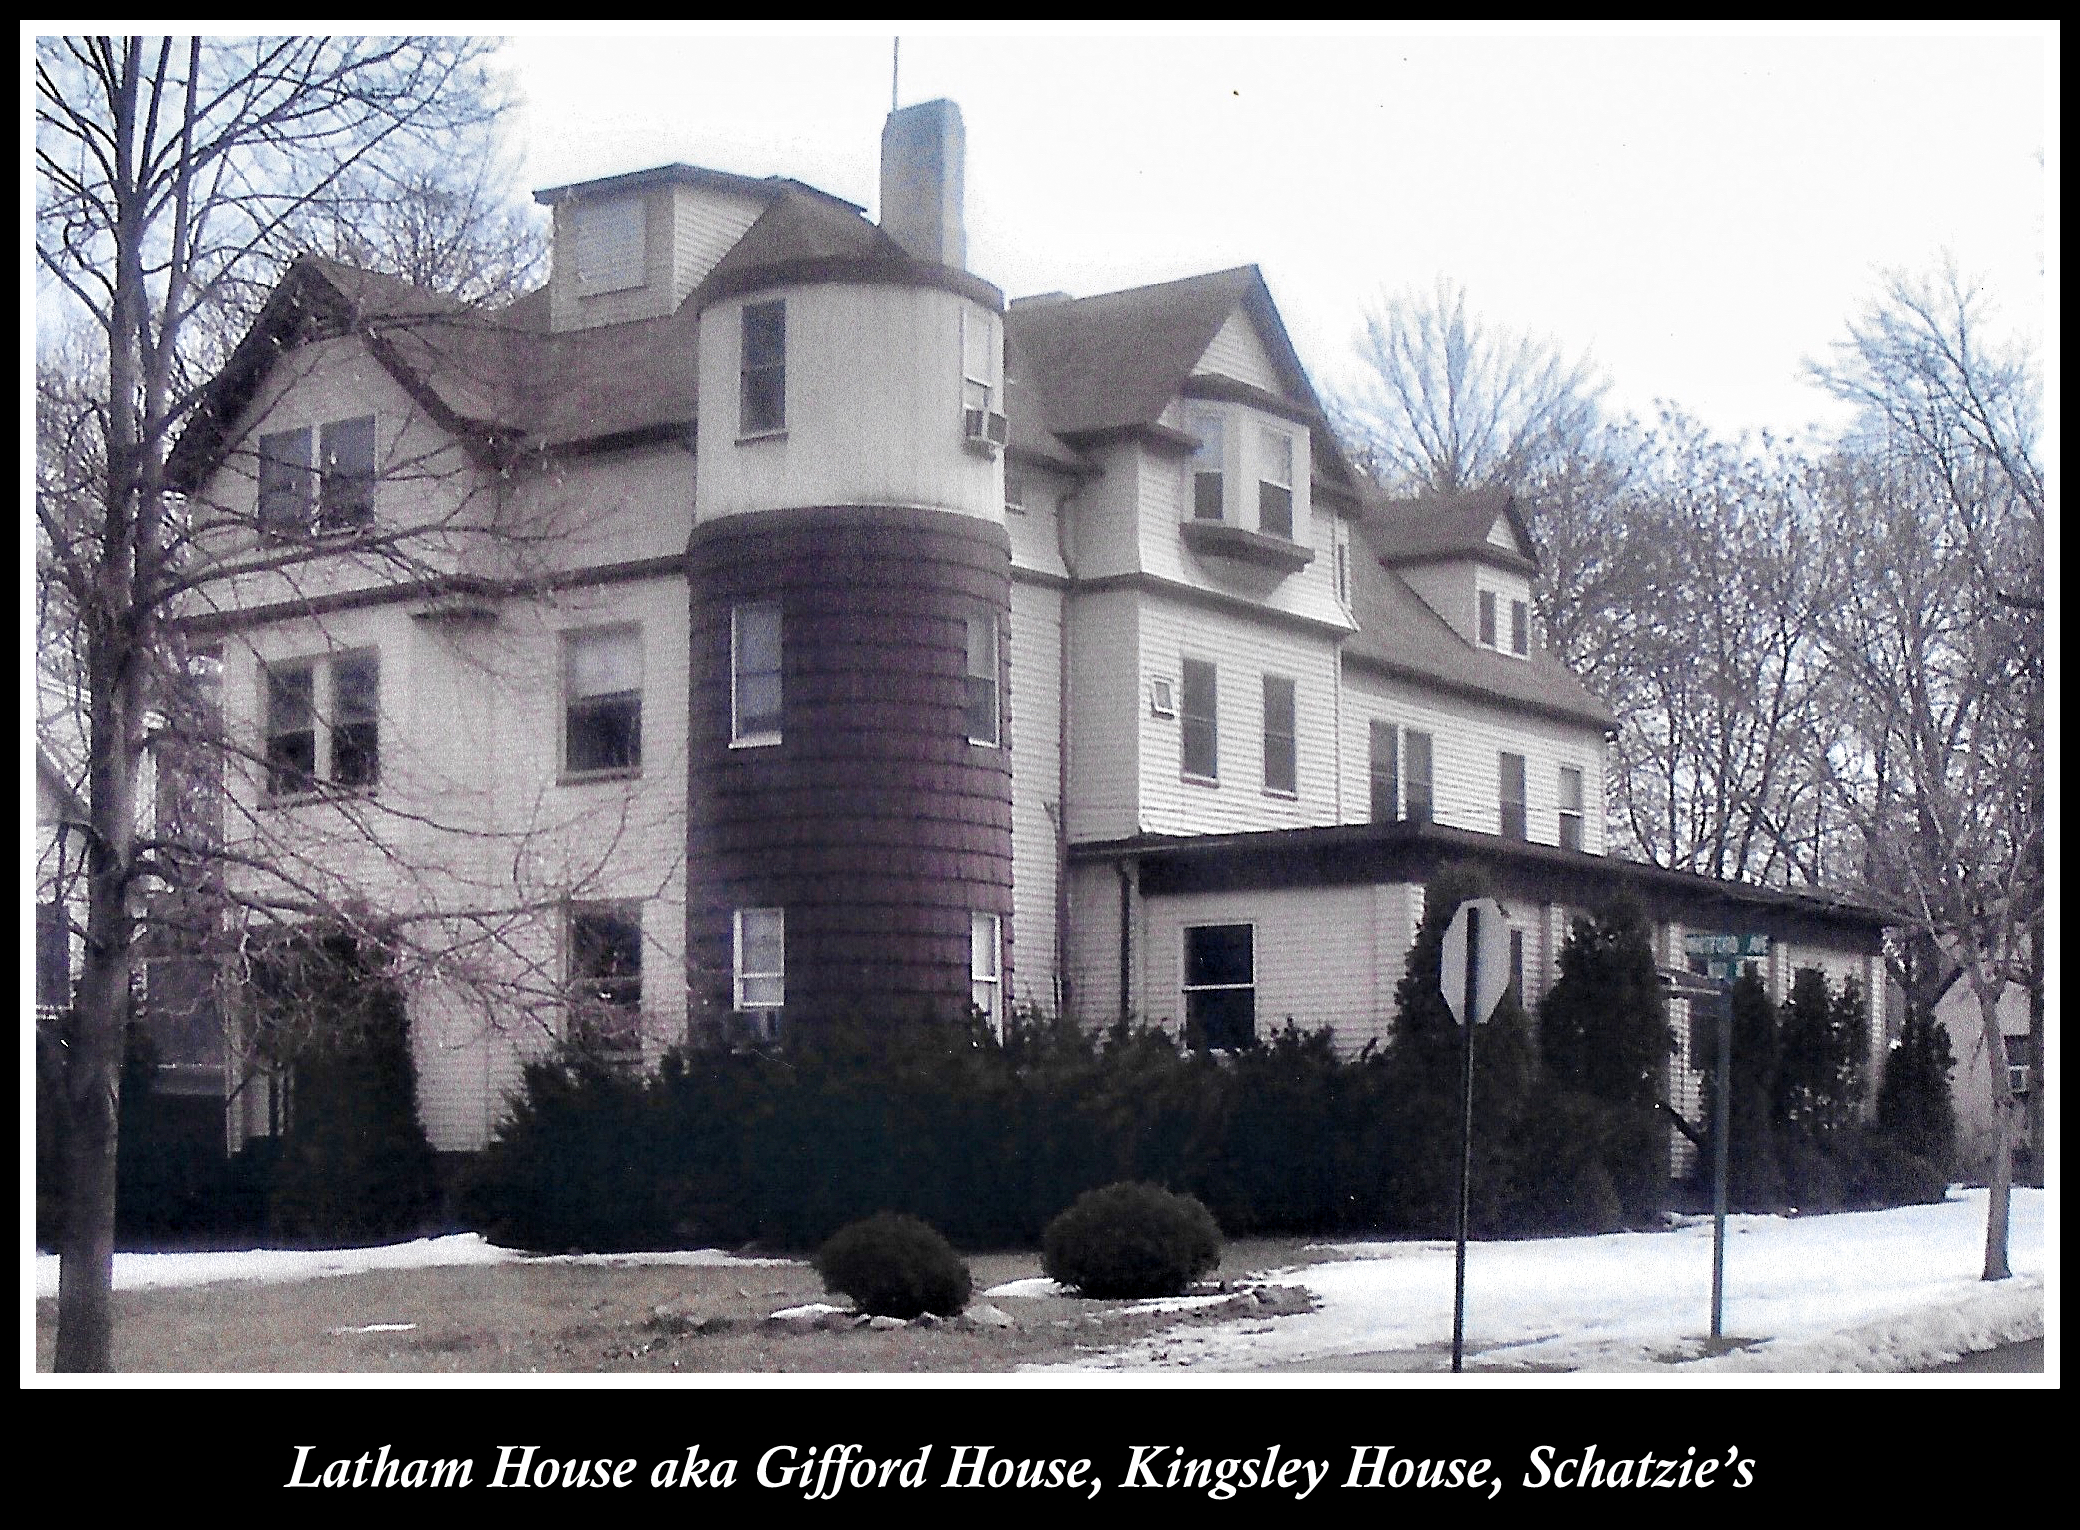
{"x": 1485, "y": 918}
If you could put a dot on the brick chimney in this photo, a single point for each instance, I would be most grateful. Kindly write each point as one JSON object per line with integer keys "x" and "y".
{"x": 923, "y": 148}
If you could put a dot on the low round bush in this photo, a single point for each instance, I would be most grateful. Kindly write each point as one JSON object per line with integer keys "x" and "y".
{"x": 1131, "y": 1240}
{"x": 895, "y": 1266}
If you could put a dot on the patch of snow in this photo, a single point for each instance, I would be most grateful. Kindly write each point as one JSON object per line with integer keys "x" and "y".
{"x": 1862, "y": 1291}
{"x": 155, "y": 1272}
{"x": 809, "y": 1310}
{"x": 377, "y": 1328}
{"x": 1181, "y": 1303}
{"x": 1037, "y": 1285}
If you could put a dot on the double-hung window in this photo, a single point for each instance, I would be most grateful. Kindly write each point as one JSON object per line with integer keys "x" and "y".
{"x": 1275, "y": 484}
{"x": 1386, "y": 772}
{"x": 322, "y": 476}
{"x": 758, "y": 940}
{"x": 1487, "y": 618}
{"x": 606, "y": 978}
{"x": 1281, "y": 742}
{"x": 986, "y": 969}
{"x": 1570, "y": 807}
{"x": 1220, "y": 985}
{"x": 1199, "y": 711}
{"x": 1416, "y": 778}
{"x": 1512, "y": 803}
{"x": 762, "y": 371}
{"x": 324, "y": 723}
{"x": 981, "y": 709}
{"x": 754, "y": 671}
{"x": 2016, "y": 1051}
{"x": 602, "y": 701}
{"x": 1520, "y": 628}
{"x": 1209, "y": 483}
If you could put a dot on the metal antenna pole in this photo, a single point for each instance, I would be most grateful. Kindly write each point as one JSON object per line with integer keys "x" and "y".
{"x": 895, "y": 71}
{"x": 1473, "y": 967}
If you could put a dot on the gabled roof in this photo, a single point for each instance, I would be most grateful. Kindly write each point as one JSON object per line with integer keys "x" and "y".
{"x": 1442, "y": 527}
{"x": 1399, "y": 634}
{"x": 497, "y": 378}
{"x": 764, "y": 187}
{"x": 70, "y": 808}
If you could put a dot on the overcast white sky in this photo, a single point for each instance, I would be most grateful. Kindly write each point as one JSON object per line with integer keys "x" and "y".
{"x": 1697, "y": 213}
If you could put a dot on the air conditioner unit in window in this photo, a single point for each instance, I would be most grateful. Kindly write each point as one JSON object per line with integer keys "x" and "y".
{"x": 986, "y": 430}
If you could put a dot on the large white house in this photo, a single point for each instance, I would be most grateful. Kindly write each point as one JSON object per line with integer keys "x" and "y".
{"x": 765, "y": 618}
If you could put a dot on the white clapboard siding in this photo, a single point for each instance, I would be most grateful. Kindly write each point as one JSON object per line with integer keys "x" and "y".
{"x": 472, "y": 815}
{"x": 1238, "y": 352}
{"x": 1324, "y": 957}
{"x": 1106, "y": 694}
{"x": 1035, "y": 704}
{"x": 1092, "y": 953}
{"x": 1242, "y": 650}
{"x": 1468, "y": 739}
{"x": 705, "y": 225}
{"x": 1035, "y": 540}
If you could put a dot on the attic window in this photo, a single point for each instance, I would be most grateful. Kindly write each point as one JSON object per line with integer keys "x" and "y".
{"x": 607, "y": 241}
{"x": 1520, "y": 628}
{"x": 337, "y": 486}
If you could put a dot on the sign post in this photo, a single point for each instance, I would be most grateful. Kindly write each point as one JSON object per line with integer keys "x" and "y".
{"x": 1723, "y": 957}
{"x": 1473, "y": 974}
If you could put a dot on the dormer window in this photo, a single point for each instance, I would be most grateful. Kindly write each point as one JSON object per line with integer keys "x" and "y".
{"x": 1520, "y": 628}
{"x": 1487, "y": 598}
{"x": 1209, "y": 486}
{"x": 1275, "y": 484}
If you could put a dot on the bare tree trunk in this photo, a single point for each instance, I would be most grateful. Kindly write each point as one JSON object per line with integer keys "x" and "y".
{"x": 1997, "y": 1181}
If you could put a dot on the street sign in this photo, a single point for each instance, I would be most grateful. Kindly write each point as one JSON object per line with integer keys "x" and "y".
{"x": 1491, "y": 979}
{"x": 1724, "y": 955}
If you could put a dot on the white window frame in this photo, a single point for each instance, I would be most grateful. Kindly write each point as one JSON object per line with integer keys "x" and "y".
{"x": 310, "y": 519}
{"x": 629, "y": 1046}
{"x": 1291, "y": 735}
{"x": 991, "y": 628}
{"x": 979, "y": 386}
{"x": 1502, "y": 800}
{"x": 747, "y": 429}
{"x": 1186, "y": 719}
{"x": 1487, "y": 618}
{"x": 1209, "y": 427}
{"x": 325, "y": 721}
{"x": 741, "y": 976}
{"x": 739, "y": 736}
{"x": 599, "y": 227}
{"x": 1271, "y": 445}
{"x": 1577, "y": 813}
{"x": 1187, "y": 988}
{"x": 573, "y": 639}
{"x": 986, "y": 951}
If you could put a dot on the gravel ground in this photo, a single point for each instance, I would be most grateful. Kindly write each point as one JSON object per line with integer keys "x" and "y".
{"x": 562, "y": 1318}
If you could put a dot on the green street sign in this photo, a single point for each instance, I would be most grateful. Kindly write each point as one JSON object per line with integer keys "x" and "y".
{"x": 1724, "y": 955}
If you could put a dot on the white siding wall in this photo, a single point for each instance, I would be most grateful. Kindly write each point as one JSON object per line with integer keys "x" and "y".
{"x": 470, "y": 815}
{"x": 1106, "y": 695}
{"x": 873, "y": 411}
{"x": 1237, "y": 352}
{"x": 1466, "y": 757}
{"x": 1324, "y": 956}
{"x": 1242, "y": 651}
{"x": 686, "y": 231}
{"x": 1093, "y": 944}
{"x": 426, "y": 485}
{"x": 1036, "y": 626}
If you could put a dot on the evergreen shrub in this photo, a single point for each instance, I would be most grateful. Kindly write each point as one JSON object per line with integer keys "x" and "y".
{"x": 895, "y": 1266}
{"x": 1131, "y": 1239}
{"x": 1915, "y": 1110}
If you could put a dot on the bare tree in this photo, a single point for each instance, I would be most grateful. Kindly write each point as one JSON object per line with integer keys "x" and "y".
{"x": 1704, "y": 636}
{"x": 1449, "y": 404}
{"x": 1937, "y": 623}
{"x": 164, "y": 168}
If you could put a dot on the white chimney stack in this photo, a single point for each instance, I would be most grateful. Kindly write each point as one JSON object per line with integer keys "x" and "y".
{"x": 923, "y": 148}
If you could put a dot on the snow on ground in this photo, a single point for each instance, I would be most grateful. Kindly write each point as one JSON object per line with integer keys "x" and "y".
{"x": 152, "y": 1272}
{"x": 1865, "y": 1291}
